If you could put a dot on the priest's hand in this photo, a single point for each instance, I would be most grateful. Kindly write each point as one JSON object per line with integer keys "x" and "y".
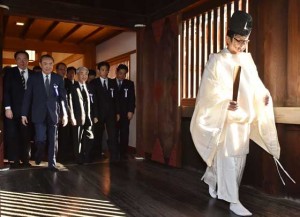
{"x": 233, "y": 106}
{"x": 266, "y": 99}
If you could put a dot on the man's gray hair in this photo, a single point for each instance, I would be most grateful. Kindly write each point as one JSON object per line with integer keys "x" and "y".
{"x": 82, "y": 68}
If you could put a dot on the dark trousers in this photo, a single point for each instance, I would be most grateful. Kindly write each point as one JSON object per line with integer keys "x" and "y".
{"x": 65, "y": 143}
{"x": 17, "y": 138}
{"x": 123, "y": 135}
{"x": 46, "y": 131}
{"x": 83, "y": 141}
{"x": 113, "y": 146}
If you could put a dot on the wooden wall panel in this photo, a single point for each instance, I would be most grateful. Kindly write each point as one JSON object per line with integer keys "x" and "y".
{"x": 146, "y": 109}
{"x": 293, "y": 55}
{"x": 275, "y": 49}
{"x": 158, "y": 112}
{"x": 167, "y": 80}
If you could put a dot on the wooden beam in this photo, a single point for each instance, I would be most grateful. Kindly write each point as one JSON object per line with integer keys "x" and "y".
{"x": 121, "y": 57}
{"x": 74, "y": 29}
{"x": 72, "y": 58}
{"x": 14, "y": 44}
{"x": 107, "y": 37}
{"x": 90, "y": 35}
{"x": 283, "y": 115}
{"x": 49, "y": 30}
{"x": 26, "y": 27}
{"x": 287, "y": 115}
{"x": 176, "y": 6}
{"x": 71, "y": 12}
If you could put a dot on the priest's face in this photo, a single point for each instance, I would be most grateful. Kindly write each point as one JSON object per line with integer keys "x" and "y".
{"x": 237, "y": 44}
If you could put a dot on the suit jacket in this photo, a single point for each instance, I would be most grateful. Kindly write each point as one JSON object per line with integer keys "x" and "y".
{"x": 80, "y": 108}
{"x": 13, "y": 90}
{"x": 36, "y": 99}
{"x": 126, "y": 94}
{"x": 106, "y": 102}
{"x": 69, "y": 85}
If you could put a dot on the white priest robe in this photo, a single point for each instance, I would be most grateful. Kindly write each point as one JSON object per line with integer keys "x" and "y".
{"x": 221, "y": 136}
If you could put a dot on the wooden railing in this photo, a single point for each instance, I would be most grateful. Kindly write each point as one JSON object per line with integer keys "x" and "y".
{"x": 283, "y": 115}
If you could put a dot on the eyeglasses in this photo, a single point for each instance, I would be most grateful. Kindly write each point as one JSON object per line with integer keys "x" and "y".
{"x": 241, "y": 41}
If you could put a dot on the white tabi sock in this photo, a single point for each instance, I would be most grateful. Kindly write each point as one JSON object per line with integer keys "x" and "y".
{"x": 239, "y": 209}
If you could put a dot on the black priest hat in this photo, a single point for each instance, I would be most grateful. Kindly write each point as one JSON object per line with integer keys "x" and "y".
{"x": 240, "y": 23}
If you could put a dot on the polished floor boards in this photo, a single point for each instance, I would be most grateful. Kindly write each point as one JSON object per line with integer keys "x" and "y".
{"x": 130, "y": 188}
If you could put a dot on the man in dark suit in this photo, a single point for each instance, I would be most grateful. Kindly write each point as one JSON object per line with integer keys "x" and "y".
{"x": 65, "y": 144}
{"x": 105, "y": 111}
{"x": 61, "y": 69}
{"x": 80, "y": 115}
{"x": 45, "y": 96}
{"x": 70, "y": 79}
{"x": 126, "y": 94}
{"x": 16, "y": 135}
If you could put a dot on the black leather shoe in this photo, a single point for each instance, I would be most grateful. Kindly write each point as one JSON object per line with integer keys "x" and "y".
{"x": 26, "y": 164}
{"x": 15, "y": 165}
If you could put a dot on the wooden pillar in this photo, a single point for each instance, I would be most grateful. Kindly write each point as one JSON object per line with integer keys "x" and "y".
{"x": 139, "y": 90}
{"x": 89, "y": 58}
{"x": 3, "y": 8}
{"x": 293, "y": 46}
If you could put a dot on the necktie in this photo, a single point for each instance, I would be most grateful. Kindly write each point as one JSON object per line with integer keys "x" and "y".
{"x": 23, "y": 79}
{"x": 84, "y": 98}
{"x": 47, "y": 85}
{"x": 104, "y": 85}
{"x": 83, "y": 93}
{"x": 120, "y": 84}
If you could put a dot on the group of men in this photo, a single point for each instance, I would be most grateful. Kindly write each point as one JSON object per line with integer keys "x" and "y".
{"x": 59, "y": 110}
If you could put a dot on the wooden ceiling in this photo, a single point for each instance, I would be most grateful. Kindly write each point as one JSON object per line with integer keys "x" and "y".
{"x": 68, "y": 26}
{"x": 57, "y": 31}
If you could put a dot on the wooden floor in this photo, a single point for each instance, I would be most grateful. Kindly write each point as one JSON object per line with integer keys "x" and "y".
{"x": 131, "y": 188}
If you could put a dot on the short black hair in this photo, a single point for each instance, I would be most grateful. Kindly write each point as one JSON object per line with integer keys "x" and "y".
{"x": 37, "y": 68}
{"x": 70, "y": 69}
{"x": 122, "y": 66}
{"x": 60, "y": 63}
{"x": 92, "y": 72}
{"x": 103, "y": 63}
{"x": 46, "y": 56}
{"x": 21, "y": 52}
